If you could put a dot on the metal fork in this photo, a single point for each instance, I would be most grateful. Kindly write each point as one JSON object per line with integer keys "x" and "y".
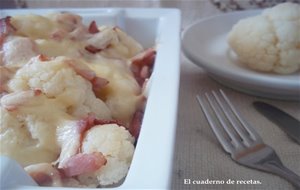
{"x": 240, "y": 139}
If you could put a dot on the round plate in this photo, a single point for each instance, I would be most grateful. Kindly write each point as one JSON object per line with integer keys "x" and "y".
{"x": 205, "y": 44}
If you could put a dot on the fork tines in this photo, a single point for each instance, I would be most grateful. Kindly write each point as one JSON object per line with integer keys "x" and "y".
{"x": 240, "y": 139}
{"x": 227, "y": 124}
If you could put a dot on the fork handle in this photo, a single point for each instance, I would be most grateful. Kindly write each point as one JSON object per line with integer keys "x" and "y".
{"x": 279, "y": 169}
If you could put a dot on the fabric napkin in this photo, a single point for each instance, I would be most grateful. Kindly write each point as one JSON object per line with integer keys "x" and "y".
{"x": 200, "y": 159}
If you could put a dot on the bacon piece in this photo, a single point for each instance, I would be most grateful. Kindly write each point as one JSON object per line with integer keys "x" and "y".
{"x": 100, "y": 41}
{"x": 45, "y": 174}
{"x": 90, "y": 75}
{"x": 98, "y": 83}
{"x": 142, "y": 65}
{"x": 69, "y": 135}
{"x": 79, "y": 33}
{"x": 83, "y": 163}
{"x": 5, "y": 28}
{"x": 144, "y": 58}
{"x": 5, "y": 75}
{"x": 13, "y": 100}
{"x": 58, "y": 34}
{"x": 93, "y": 28}
{"x": 86, "y": 73}
{"x": 111, "y": 121}
{"x": 136, "y": 123}
{"x": 92, "y": 49}
{"x": 92, "y": 121}
{"x": 42, "y": 179}
{"x": 70, "y": 21}
{"x": 43, "y": 57}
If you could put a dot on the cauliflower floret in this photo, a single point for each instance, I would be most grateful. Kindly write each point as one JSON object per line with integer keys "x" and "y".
{"x": 18, "y": 51}
{"x": 271, "y": 41}
{"x": 116, "y": 144}
{"x": 58, "y": 80}
{"x": 122, "y": 94}
{"x": 14, "y": 138}
{"x": 31, "y": 130}
{"x": 115, "y": 43}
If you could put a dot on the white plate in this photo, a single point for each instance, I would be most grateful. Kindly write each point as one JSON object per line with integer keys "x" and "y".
{"x": 205, "y": 44}
{"x": 151, "y": 167}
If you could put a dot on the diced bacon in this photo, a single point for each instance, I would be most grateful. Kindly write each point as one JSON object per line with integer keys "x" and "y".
{"x": 82, "y": 70}
{"x": 112, "y": 121}
{"x": 93, "y": 29}
{"x": 45, "y": 174}
{"x": 69, "y": 20}
{"x": 42, "y": 57}
{"x": 5, "y": 75}
{"x": 58, "y": 34}
{"x": 136, "y": 123}
{"x": 144, "y": 58}
{"x": 98, "y": 83}
{"x": 92, "y": 121}
{"x": 92, "y": 49}
{"x": 142, "y": 65}
{"x": 100, "y": 41}
{"x": 13, "y": 100}
{"x": 69, "y": 135}
{"x": 42, "y": 179}
{"x": 79, "y": 33}
{"x": 37, "y": 92}
{"x": 5, "y": 28}
{"x": 145, "y": 73}
{"x": 83, "y": 163}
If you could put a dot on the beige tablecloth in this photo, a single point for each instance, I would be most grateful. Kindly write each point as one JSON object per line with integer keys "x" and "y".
{"x": 198, "y": 156}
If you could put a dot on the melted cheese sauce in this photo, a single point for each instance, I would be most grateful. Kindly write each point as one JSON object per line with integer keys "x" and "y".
{"x": 29, "y": 132}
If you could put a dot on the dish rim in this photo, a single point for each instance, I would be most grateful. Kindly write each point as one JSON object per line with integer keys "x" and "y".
{"x": 167, "y": 47}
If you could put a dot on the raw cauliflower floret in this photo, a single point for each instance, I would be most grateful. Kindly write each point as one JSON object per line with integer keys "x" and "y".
{"x": 58, "y": 80}
{"x": 116, "y": 144}
{"x": 269, "y": 42}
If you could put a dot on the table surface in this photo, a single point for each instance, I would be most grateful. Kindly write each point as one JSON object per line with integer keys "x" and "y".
{"x": 197, "y": 155}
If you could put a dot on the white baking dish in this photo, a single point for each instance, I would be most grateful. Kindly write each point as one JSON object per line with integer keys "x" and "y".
{"x": 151, "y": 166}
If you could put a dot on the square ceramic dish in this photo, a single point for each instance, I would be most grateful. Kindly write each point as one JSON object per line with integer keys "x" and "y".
{"x": 151, "y": 166}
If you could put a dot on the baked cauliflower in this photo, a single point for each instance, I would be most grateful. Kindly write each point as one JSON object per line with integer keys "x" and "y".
{"x": 116, "y": 144}
{"x": 72, "y": 98}
{"x": 59, "y": 78}
{"x": 269, "y": 42}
